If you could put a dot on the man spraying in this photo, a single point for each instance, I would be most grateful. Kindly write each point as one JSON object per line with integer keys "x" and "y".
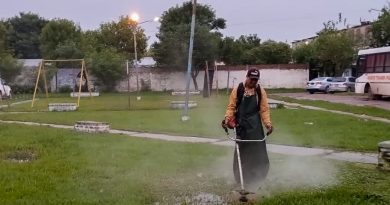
{"x": 247, "y": 111}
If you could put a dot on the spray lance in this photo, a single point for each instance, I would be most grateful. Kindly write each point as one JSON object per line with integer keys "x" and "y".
{"x": 232, "y": 124}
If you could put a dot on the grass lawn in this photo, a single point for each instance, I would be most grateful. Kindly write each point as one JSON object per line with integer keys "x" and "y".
{"x": 152, "y": 114}
{"x": 75, "y": 168}
{"x": 361, "y": 110}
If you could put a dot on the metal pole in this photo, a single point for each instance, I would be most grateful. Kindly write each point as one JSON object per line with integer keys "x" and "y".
{"x": 136, "y": 60}
{"x": 228, "y": 79}
{"x": 208, "y": 79}
{"x": 216, "y": 75}
{"x": 240, "y": 166}
{"x": 185, "y": 116}
{"x": 128, "y": 81}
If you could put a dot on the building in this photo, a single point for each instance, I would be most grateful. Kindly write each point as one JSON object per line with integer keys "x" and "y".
{"x": 360, "y": 32}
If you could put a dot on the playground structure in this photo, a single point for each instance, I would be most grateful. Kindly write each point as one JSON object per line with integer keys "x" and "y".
{"x": 42, "y": 71}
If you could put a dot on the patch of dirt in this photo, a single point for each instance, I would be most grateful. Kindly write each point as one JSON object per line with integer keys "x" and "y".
{"x": 21, "y": 156}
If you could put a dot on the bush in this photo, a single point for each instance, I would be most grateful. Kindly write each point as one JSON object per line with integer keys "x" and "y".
{"x": 65, "y": 89}
{"x": 22, "y": 89}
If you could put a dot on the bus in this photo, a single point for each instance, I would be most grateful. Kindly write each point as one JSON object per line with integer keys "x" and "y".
{"x": 373, "y": 72}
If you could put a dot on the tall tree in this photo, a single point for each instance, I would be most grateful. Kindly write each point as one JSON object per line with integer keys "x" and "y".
{"x": 381, "y": 28}
{"x": 9, "y": 67}
{"x": 171, "y": 50}
{"x": 335, "y": 50}
{"x": 56, "y": 35}
{"x": 91, "y": 43}
{"x": 120, "y": 36}
{"x": 23, "y": 35}
{"x": 3, "y": 38}
{"x": 230, "y": 51}
{"x": 107, "y": 66}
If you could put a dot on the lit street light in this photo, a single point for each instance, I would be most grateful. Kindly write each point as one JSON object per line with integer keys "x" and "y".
{"x": 135, "y": 18}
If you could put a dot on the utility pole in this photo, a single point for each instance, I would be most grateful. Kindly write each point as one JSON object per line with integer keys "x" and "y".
{"x": 185, "y": 116}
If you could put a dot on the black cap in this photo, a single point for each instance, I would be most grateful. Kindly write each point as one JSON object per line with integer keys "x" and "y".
{"x": 253, "y": 73}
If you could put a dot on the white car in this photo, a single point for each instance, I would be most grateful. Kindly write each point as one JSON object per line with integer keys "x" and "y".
{"x": 342, "y": 84}
{"x": 5, "y": 90}
{"x": 320, "y": 84}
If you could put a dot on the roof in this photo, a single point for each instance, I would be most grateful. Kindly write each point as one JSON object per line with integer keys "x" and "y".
{"x": 362, "y": 24}
{"x": 374, "y": 50}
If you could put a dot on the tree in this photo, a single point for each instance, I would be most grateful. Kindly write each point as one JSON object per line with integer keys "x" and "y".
{"x": 119, "y": 35}
{"x": 68, "y": 50}
{"x": 304, "y": 54}
{"x": 56, "y": 35}
{"x": 3, "y": 36}
{"x": 23, "y": 35}
{"x": 381, "y": 28}
{"x": 249, "y": 42}
{"x": 237, "y": 52}
{"x": 270, "y": 52}
{"x": 107, "y": 67}
{"x": 230, "y": 51}
{"x": 172, "y": 50}
{"x": 335, "y": 51}
{"x": 91, "y": 43}
{"x": 9, "y": 67}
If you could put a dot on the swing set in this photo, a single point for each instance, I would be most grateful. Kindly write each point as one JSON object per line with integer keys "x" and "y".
{"x": 42, "y": 70}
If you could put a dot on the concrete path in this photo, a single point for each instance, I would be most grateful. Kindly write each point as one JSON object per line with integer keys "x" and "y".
{"x": 369, "y": 158}
{"x": 366, "y": 117}
{"x": 16, "y": 103}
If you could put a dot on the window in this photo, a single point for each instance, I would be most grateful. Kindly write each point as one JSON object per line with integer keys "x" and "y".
{"x": 379, "y": 62}
{"x": 361, "y": 65}
{"x": 318, "y": 79}
{"x": 387, "y": 63}
{"x": 352, "y": 80}
{"x": 339, "y": 80}
{"x": 370, "y": 64}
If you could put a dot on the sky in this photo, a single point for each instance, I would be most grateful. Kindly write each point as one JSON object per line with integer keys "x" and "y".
{"x": 281, "y": 20}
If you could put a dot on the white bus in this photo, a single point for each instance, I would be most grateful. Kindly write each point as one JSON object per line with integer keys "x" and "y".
{"x": 373, "y": 71}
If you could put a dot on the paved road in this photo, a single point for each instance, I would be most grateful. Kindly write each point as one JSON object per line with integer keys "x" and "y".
{"x": 345, "y": 99}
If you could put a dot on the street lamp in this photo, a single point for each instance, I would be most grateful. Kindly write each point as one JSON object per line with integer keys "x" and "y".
{"x": 135, "y": 18}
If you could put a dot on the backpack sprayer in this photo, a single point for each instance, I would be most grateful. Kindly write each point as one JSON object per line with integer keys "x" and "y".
{"x": 231, "y": 124}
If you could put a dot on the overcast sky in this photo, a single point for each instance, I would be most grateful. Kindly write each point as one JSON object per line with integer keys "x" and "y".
{"x": 281, "y": 20}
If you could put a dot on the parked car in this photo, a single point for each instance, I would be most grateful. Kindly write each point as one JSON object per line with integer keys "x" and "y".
{"x": 342, "y": 84}
{"x": 320, "y": 84}
{"x": 5, "y": 90}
